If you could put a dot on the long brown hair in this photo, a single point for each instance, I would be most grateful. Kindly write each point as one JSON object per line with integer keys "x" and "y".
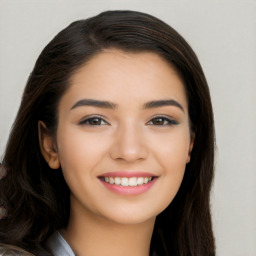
{"x": 37, "y": 198}
{"x": 11, "y": 250}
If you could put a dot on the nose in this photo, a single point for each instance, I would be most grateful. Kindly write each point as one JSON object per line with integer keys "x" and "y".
{"x": 129, "y": 144}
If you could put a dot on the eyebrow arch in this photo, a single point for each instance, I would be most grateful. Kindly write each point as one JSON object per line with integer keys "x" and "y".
{"x": 162, "y": 103}
{"x": 110, "y": 105}
{"x": 94, "y": 103}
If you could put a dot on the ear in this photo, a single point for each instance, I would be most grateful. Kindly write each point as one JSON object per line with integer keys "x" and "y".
{"x": 191, "y": 145}
{"x": 48, "y": 146}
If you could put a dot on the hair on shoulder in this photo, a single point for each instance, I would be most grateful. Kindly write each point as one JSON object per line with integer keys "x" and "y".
{"x": 11, "y": 250}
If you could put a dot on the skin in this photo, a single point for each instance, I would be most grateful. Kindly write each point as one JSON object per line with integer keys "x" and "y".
{"x": 127, "y": 137}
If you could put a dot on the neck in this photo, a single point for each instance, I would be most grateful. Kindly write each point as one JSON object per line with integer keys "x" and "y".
{"x": 90, "y": 235}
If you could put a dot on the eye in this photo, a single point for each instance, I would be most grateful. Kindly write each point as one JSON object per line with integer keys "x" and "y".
{"x": 162, "y": 121}
{"x": 94, "y": 121}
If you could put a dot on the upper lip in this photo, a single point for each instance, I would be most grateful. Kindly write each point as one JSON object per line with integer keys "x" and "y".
{"x": 127, "y": 174}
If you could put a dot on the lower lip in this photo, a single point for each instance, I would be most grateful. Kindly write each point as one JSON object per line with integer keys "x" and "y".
{"x": 129, "y": 190}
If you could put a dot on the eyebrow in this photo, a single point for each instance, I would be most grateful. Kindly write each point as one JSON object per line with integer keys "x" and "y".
{"x": 94, "y": 103}
{"x": 110, "y": 105}
{"x": 163, "y": 103}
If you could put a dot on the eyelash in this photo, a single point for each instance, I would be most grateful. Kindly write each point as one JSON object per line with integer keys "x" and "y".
{"x": 98, "y": 121}
{"x": 166, "y": 121}
{"x": 93, "y": 118}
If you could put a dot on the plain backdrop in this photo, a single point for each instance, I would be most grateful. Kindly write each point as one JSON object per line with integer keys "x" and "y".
{"x": 222, "y": 33}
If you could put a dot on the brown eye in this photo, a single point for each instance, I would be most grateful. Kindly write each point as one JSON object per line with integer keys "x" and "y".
{"x": 162, "y": 121}
{"x": 94, "y": 121}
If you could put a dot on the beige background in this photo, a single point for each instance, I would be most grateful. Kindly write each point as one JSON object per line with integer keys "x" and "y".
{"x": 223, "y": 34}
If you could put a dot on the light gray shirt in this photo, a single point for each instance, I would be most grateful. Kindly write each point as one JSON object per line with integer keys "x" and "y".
{"x": 59, "y": 246}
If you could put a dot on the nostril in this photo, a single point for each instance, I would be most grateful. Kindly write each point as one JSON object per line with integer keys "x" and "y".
{"x": 128, "y": 152}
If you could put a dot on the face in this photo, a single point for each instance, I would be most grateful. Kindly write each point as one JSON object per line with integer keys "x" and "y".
{"x": 123, "y": 137}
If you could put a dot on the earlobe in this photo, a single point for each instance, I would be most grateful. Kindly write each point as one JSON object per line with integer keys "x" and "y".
{"x": 190, "y": 147}
{"x": 48, "y": 146}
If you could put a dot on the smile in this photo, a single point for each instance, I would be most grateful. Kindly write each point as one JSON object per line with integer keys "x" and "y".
{"x": 125, "y": 181}
{"x": 128, "y": 182}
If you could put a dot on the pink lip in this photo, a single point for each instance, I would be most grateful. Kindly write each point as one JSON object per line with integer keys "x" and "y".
{"x": 127, "y": 174}
{"x": 128, "y": 190}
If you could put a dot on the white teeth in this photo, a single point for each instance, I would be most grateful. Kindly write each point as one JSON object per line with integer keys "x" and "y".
{"x": 140, "y": 181}
{"x": 133, "y": 182}
{"x": 124, "y": 181}
{"x": 146, "y": 180}
{"x": 117, "y": 181}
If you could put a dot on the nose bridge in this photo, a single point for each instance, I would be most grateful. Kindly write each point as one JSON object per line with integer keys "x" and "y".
{"x": 129, "y": 143}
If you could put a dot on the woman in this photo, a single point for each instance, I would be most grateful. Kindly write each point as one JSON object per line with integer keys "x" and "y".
{"x": 112, "y": 150}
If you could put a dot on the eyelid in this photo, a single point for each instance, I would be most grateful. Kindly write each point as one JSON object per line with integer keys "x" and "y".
{"x": 171, "y": 121}
{"x": 91, "y": 117}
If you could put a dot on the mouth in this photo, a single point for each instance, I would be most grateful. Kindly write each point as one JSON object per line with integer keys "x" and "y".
{"x": 127, "y": 181}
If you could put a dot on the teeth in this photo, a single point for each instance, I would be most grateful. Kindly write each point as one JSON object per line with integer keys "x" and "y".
{"x": 117, "y": 181}
{"x": 124, "y": 181}
{"x": 140, "y": 181}
{"x": 133, "y": 182}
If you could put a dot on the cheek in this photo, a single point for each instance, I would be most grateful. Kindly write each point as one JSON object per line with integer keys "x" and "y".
{"x": 172, "y": 150}
{"x": 171, "y": 155}
{"x": 79, "y": 153}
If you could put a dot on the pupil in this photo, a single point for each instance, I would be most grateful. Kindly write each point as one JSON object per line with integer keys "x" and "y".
{"x": 95, "y": 121}
{"x": 159, "y": 121}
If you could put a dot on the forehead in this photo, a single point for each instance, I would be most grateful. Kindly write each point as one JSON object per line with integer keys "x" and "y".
{"x": 118, "y": 75}
{"x": 108, "y": 59}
